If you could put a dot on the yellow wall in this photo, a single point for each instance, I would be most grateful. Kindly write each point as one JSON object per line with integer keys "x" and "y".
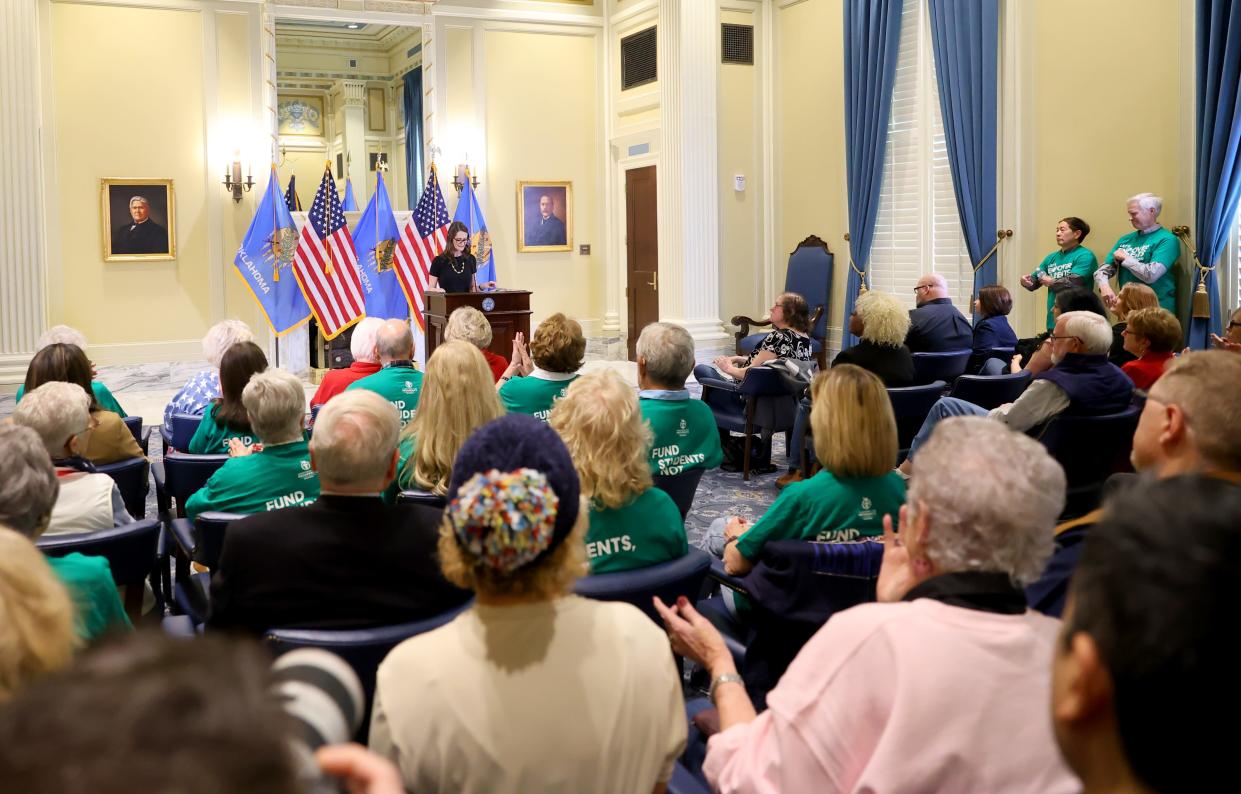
{"x": 739, "y": 134}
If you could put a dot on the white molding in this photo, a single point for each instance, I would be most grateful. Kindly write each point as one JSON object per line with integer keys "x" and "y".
{"x": 638, "y": 103}
{"x": 783, "y": 4}
{"x": 766, "y": 230}
{"x": 506, "y": 15}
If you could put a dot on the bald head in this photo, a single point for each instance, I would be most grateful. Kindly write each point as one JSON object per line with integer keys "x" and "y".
{"x": 394, "y": 341}
{"x": 932, "y": 286}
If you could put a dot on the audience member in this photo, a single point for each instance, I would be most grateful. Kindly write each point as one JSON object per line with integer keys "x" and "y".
{"x": 63, "y": 334}
{"x": 789, "y": 338}
{"x": 346, "y": 561}
{"x": 1231, "y": 340}
{"x": 1070, "y": 265}
{"x": 204, "y": 386}
{"x": 36, "y": 618}
{"x": 992, "y": 330}
{"x": 1147, "y": 651}
{"x": 882, "y": 323}
{"x": 110, "y": 440}
{"x": 226, "y": 418}
{"x": 944, "y": 685}
{"x": 936, "y": 325}
{"x": 365, "y": 362}
{"x": 470, "y": 325}
{"x": 1153, "y": 336}
{"x": 496, "y": 700}
{"x": 59, "y": 415}
{"x": 1131, "y": 298}
{"x": 398, "y": 381}
{"x": 29, "y": 488}
{"x": 557, "y": 349}
{"x": 457, "y": 398}
{"x": 1073, "y": 299}
{"x": 1147, "y": 255}
{"x": 270, "y": 475}
{"x": 633, "y": 524}
{"x": 683, "y": 430}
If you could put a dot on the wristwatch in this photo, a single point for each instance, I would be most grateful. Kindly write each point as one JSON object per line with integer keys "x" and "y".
{"x": 724, "y": 678}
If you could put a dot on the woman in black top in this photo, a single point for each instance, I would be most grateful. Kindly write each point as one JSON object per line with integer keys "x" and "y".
{"x": 453, "y": 270}
{"x": 881, "y": 322}
{"x": 790, "y": 338}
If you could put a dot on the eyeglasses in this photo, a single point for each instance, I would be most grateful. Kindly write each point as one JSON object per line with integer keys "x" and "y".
{"x": 921, "y": 287}
{"x": 461, "y": 239}
{"x": 1053, "y": 336}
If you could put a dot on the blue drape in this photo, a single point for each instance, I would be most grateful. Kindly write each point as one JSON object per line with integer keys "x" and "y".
{"x": 1219, "y": 146}
{"x": 965, "y": 37}
{"x": 413, "y": 135}
{"x": 872, "y": 48}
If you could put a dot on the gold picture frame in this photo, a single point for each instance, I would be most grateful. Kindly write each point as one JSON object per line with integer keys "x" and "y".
{"x": 129, "y": 234}
{"x": 537, "y": 232}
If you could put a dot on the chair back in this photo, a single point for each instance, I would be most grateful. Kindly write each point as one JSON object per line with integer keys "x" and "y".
{"x": 131, "y": 477}
{"x": 134, "y": 423}
{"x": 809, "y": 274}
{"x": 130, "y": 548}
{"x": 184, "y": 426}
{"x": 911, "y": 404}
{"x": 209, "y": 529}
{"x": 945, "y": 366}
{"x": 184, "y": 474}
{"x": 668, "y": 580}
{"x": 763, "y": 382}
{"x": 990, "y": 391}
{"x": 681, "y": 487}
{"x": 416, "y": 497}
{"x": 1090, "y": 449}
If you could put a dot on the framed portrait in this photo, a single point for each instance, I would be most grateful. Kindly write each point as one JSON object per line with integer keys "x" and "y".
{"x": 300, "y": 115}
{"x": 138, "y": 217}
{"x": 376, "y": 113}
{"x": 544, "y": 216}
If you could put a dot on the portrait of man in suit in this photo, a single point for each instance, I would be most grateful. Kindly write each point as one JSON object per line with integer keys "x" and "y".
{"x": 138, "y": 220}
{"x": 545, "y": 216}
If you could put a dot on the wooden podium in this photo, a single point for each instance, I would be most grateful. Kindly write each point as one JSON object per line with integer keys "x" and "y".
{"x": 508, "y": 311}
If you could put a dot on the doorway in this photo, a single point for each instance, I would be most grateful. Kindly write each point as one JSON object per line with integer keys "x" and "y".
{"x": 641, "y": 252}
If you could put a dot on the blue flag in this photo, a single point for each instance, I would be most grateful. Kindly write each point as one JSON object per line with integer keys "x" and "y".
{"x": 290, "y": 196}
{"x": 375, "y": 239}
{"x": 265, "y": 262}
{"x": 350, "y": 204}
{"x": 470, "y": 213}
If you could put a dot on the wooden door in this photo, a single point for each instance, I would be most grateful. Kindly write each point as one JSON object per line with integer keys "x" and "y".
{"x": 642, "y": 251}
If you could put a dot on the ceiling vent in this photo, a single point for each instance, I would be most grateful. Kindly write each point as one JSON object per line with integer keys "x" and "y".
{"x": 737, "y": 43}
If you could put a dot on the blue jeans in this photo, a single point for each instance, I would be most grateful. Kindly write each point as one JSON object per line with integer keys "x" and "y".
{"x": 993, "y": 366}
{"x": 799, "y": 428}
{"x": 942, "y": 409}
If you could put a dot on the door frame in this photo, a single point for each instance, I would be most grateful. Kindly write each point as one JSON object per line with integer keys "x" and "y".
{"x": 620, "y": 253}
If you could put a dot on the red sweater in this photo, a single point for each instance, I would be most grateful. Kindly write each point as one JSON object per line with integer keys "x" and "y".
{"x": 337, "y": 380}
{"x": 497, "y": 363}
{"x": 1147, "y": 369}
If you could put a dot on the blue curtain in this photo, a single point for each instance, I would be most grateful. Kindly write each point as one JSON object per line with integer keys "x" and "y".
{"x": 872, "y": 47}
{"x": 965, "y": 38}
{"x": 413, "y": 135}
{"x": 1219, "y": 146}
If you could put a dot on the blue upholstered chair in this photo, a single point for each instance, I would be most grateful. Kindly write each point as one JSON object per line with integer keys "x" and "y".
{"x": 736, "y": 405}
{"x": 911, "y": 404}
{"x": 809, "y": 274}
{"x": 946, "y": 366}
{"x": 202, "y": 539}
{"x": 130, "y": 550}
{"x": 134, "y": 423}
{"x": 1091, "y": 449}
{"x": 684, "y": 782}
{"x": 668, "y": 580}
{"x": 131, "y": 478}
{"x": 990, "y": 391}
{"x": 416, "y": 497}
{"x": 180, "y": 474}
{"x": 681, "y": 487}
{"x": 183, "y": 428}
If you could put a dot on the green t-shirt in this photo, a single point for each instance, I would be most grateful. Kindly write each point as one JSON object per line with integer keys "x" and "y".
{"x": 90, "y": 585}
{"x": 102, "y": 396}
{"x": 685, "y": 435}
{"x": 277, "y": 477}
{"x": 1160, "y": 246}
{"x": 405, "y": 452}
{"x": 211, "y": 439}
{"x": 1059, "y": 264}
{"x": 398, "y": 385}
{"x": 533, "y": 395}
{"x": 646, "y": 531}
{"x": 827, "y": 509}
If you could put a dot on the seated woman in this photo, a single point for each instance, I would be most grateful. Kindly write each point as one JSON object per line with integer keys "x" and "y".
{"x": 274, "y": 473}
{"x": 457, "y": 398}
{"x": 1153, "y": 335}
{"x": 684, "y": 433}
{"x": 226, "y": 418}
{"x": 59, "y": 415}
{"x": 992, "y": 330}
{"x": 927, "y": 690}
{"x": 63, "y": 334}
{"x": 557, "y": 349}
{"x": 633, "y": 524}
{"x": 36, "y": 635}
{"x": 1070, "y": 265}
{"x": 470, "y": 325}
{"x": 204, "y": 386}
{"x": 1132, "y": 297}
{"x": 110, "y": 439}
{"x": 881, "y": 322}
{"x": 506, "y": 696}
{"x": 789, "y": 338}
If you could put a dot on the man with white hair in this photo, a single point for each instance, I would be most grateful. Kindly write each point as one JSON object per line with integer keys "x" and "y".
{"x": 935, "y": 325}
{"x": 1071, "y": 375}
{"x": 684, "y": 430}
{"x": 1146, "y": 255}
{"x": 59, "y": 413}
{"x": 346, "y": 561}
{"x": 63, "y": 334}
{"x": 365, "y": 362}
{"x": 275, "y": 473}
{"x": 399, "y": 382}
{"x": 205, "y": 385}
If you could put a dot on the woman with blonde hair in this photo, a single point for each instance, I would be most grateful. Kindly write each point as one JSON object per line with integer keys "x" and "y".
{"x": 1132, "y": 297}
{"x": 36, "y": 615}
{"x": 457, "y": 398}
{"x": 632, "y": 523}
{"x": 558, "y": 349}
{"x": 882, "y": 322}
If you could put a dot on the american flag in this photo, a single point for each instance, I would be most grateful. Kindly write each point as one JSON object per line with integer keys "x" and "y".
{"x": 423, "y": 238}
{"x": 326, "y": 265}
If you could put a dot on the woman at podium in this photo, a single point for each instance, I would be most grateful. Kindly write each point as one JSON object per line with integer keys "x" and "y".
{"x": 453, "y": 270}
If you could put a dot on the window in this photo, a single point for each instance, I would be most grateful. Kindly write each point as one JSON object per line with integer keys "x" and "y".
{"x": 1230, "y": 281}
{"x": 918, "y": 230}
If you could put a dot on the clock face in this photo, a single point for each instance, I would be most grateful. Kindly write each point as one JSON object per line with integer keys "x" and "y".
{"x": 488, "y": 304}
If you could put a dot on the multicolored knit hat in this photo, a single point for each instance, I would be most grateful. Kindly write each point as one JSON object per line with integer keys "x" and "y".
{"x": 514, "y": 494}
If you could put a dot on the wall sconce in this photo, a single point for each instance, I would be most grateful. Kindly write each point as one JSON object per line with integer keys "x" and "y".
{"x": 459, "y": 183}
{"x": 232, "y": 180}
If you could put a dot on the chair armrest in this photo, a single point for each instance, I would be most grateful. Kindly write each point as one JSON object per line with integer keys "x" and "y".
{"x": 743, "y": 324}
{"x": 720, "y": 383}
{"x": 718, "y": 573}
{"x": 163, "y": 502}
{"x": 146, "y": 442}
{"x": 184, "y": 536}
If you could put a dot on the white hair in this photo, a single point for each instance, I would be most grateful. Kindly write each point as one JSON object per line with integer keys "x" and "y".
{"x": 61, "y": 335}
{"x": 275, "y": 402}
{"x": 223, "y": 335}
{"x": 469, "y": 325}
{"x": 1147, "y": 201}
{"x": 28, "y": 484}
{"x": 362, "y": 343}
{"x": 57, "y": 411}
{"x": 669, "y": 352}
{"x": 355, "y": 434}
{"x": 992, "y": 496}
{"x": 143, "y": 199}
{"x": 394, "y": 340}
{"x": 1092, "y": 329}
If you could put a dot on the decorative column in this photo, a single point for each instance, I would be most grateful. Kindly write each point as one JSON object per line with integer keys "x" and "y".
{"x": 23, "y": 288}
{"x": 689, "y": 217}
{"x": 353, "y": 96}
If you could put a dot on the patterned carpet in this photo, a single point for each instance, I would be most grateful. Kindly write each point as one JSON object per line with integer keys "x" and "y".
{"x": 723, "y": 493}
